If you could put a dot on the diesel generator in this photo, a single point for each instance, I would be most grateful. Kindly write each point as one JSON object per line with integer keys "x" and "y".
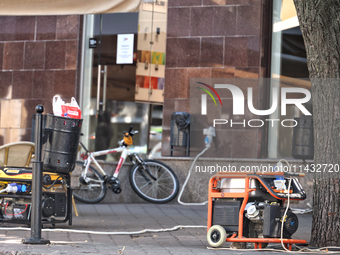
{"x": 16, "y": 192}
{"x": 251, "y": 208}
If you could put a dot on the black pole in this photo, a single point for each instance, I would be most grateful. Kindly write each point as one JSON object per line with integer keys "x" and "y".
{"x": 37, "y": 184}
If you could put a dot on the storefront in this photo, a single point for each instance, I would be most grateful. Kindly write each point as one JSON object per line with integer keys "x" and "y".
{"x": 168, "y": 43}
{"x": 123, "y": 76}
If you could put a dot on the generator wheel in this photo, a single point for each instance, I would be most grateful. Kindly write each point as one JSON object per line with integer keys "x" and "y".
{"x": 216, "y": 236}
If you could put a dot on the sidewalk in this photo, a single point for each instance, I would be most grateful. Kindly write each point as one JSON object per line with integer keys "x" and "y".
{"x": 129, "y": 217}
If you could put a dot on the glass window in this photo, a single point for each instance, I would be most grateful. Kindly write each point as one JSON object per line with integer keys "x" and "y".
{"x": 288, "y": 69}
{"x": 118, "y": 94}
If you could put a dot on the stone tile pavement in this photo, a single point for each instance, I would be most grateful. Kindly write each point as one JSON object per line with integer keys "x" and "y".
{"x": 129, "y": 217}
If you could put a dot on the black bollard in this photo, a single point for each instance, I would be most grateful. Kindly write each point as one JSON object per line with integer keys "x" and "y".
{"x": 37, "y": 184}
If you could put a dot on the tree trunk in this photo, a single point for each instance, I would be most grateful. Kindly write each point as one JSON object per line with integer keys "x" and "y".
{"x": 320, "y": 26}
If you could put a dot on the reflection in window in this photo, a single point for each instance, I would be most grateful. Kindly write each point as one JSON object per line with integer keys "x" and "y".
{"x": 289, "y": 69}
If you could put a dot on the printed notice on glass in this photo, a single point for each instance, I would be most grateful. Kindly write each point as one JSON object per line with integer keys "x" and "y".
{"x": 125, "y": 49}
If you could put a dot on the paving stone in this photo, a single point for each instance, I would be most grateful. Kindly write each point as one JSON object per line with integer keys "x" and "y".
{"x": 127, "y": 218}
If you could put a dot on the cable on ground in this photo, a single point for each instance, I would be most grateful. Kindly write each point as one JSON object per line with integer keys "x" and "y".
{"x": 108, "y": 233}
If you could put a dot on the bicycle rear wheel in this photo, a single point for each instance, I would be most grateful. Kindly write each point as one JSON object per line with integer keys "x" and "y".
{"x": 161, "y": 190}
{"x": 90, "y": 192}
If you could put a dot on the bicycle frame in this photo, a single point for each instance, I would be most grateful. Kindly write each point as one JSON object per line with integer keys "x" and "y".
{"x": 124, "y": 153}
{"x": 91, "y": 158}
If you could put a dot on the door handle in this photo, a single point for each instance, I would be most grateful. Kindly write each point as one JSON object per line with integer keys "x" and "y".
{"x": 100, "y": 72}
{"x": 98, "y": 87}
{"x": 104, "y": 89}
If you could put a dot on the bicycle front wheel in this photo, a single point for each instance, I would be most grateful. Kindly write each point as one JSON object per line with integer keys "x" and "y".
{"x": 160, "y": 189}
{"x": 91, "y": 191}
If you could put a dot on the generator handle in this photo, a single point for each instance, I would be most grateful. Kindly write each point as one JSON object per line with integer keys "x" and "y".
{"x": 294, "y": 174}
{"x": 300, "y": 195}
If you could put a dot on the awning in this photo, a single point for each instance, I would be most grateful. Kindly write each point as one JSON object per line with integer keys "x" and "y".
{"x": 66, "y": 7}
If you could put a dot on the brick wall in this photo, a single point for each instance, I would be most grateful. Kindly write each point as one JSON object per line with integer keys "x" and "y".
{"x": 216, "y": 39}
{"x": 38, "y": 59}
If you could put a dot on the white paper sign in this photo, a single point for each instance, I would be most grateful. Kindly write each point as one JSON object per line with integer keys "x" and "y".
{"x": 125, "y": 48}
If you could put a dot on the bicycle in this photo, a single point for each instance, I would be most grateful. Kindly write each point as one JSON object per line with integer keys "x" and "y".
{"x": 152, "y": 180}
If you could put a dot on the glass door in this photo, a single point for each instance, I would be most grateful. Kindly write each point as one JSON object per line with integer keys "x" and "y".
{"x": 108, "y": 96}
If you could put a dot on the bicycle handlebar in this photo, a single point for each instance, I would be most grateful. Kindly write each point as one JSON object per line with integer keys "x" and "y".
{"x": 127, "y": 139}
{"x": 131, "y": 132}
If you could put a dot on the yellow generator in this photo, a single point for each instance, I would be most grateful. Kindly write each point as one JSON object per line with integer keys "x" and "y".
{"x": 16, "y": 191}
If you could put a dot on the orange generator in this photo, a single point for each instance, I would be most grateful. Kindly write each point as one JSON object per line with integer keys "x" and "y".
{"x": 249, "y": 208}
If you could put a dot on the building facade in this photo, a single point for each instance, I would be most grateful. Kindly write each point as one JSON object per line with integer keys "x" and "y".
{"x": 39, "y": 57}
{"x": 174, "y": 41}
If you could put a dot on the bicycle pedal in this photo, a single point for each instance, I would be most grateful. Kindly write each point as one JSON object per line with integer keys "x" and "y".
{"x": 117, "y": 191}
{"x": 115, "y": 185}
